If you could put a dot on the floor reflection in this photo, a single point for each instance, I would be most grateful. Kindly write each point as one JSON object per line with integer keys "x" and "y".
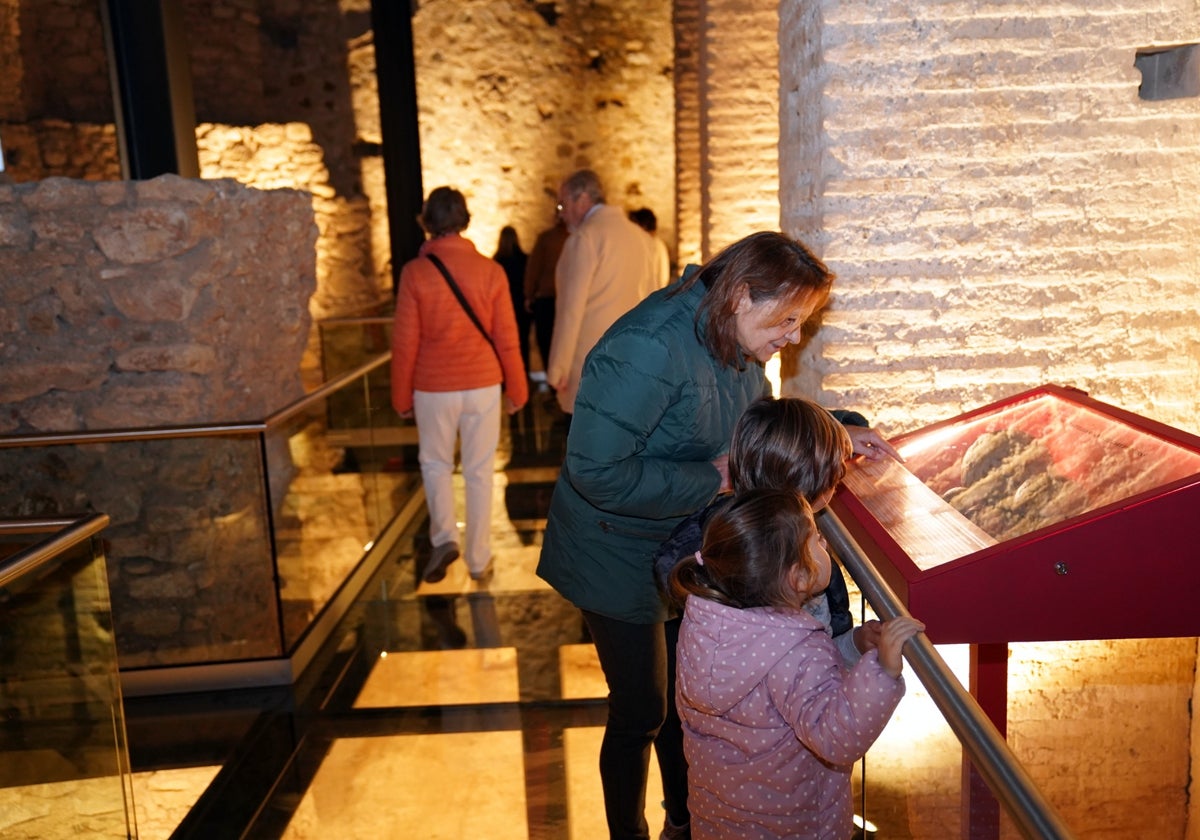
{"x": 438, "y": 678}
{"x": 450, "y": 785}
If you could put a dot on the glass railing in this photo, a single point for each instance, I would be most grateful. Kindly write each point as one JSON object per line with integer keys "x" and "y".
{"x": 64, "y": 760}
{"x": 941, "y": 768}
{"x": 233, "y": 545}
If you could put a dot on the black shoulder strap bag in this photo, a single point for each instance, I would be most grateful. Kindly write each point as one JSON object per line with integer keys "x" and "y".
{"x": 433, "y": 258}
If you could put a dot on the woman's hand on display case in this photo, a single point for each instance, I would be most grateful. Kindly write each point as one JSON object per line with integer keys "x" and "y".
{"x": 871, "y": 445}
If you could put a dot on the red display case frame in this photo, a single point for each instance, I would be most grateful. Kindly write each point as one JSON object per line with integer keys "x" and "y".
{"x": 1127, "y": 569}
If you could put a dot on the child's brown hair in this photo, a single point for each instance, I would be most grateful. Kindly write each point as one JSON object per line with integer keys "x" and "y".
{"x": 791, "y": 444}
{"x": 749, "y": 547}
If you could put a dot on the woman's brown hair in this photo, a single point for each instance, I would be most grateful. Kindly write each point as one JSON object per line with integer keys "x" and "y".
{"x": 770, "y": 267}
{"x": 445, "y": 211}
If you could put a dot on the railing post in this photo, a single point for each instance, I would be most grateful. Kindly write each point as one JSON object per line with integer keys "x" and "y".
{"x": 988, "y": 685}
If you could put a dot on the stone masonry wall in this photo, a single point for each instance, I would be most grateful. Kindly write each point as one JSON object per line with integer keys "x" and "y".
{"x": 144, "y": 303}
{"x": 272, "y": 81}
{"x": 56, "y": 117}
{"x": 514, "y": 96}
{"x": 726, "y": 123}
{"x": 271, "y": 86}
{"x": 167, "y": 302}
{"x": 286, "y": 96}
{"x": 1003, "y": 210}
{"x": 688, "y": 137}
{"x": 74, "y": 85}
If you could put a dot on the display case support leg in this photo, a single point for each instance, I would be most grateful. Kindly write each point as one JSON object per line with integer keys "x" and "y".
{"x": 989, "y": 687}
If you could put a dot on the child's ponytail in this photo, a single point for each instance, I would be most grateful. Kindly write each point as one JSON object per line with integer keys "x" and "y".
{"x": 749, "y": 546}
{"x": 690, "y": 577}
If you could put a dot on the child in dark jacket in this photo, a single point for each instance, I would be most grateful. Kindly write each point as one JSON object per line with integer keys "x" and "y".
{"x": 787, "y": 444}
{"x": 772, "y": 720}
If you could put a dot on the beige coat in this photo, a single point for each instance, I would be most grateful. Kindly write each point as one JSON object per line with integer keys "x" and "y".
{"x": 607, "y": 266}
{"x": 664, "y": 261}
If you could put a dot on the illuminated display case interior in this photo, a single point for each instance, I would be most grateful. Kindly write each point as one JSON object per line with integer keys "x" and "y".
{"x": 997, "y": 475}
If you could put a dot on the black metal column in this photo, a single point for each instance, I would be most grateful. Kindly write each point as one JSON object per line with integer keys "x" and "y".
{"x": 152, "y": 88}
{"x": 396, "y": 70}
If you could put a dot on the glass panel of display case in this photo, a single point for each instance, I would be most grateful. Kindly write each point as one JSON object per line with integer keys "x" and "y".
{"x": 1000, "y": 474}
{"x": 64, "y": 758}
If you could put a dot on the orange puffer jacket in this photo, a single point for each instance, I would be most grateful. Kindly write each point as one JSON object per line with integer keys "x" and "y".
{"x": 435, "y": 347}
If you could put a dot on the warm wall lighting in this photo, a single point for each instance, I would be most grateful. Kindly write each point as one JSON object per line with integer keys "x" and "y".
{"x": 773, "y": 373}
{"x": 864, "y": 827}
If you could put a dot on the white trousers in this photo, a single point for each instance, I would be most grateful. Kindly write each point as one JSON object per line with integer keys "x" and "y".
{"x": 442, "y": 417}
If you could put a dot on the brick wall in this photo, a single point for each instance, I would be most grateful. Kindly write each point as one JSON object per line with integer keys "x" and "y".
{"x": 1000, "y": 206}
{"x": 688, "y": 147}
{"x": 737, "y": 125}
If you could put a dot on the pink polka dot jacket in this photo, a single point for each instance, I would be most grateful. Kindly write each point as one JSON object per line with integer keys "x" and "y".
{"x": 773, "y": 722}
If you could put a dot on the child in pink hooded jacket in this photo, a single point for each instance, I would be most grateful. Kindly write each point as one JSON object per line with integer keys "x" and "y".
{"x": 773, "y": 721}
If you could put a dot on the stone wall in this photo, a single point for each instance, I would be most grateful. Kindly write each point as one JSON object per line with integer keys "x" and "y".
{"x": 166, "y": 302}
{"x": 726, "y": 122}
{"x": 1096, "y": 726}
{"x": 688, "y": 132}
{"x": 279, "y": 156}
{"x": 50, "y": 148}
{"x": 739, "y": 92}
{"x": 74, "y": 85}
{"x": 271, "y": 86}
{"x": 56, "y": 117}
{"x": 151, "y": 303}
{"x": 514, "y": 96}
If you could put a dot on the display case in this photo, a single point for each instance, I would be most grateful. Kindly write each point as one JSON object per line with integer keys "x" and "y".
{"x": 1046, "y": 516}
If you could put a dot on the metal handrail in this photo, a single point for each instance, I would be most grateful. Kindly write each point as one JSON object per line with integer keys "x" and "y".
{"x": 34, "y": 558}
{"x": 328, "y": 388}
{"x": 207, "y": 430}
{"x": 989, "y": 752}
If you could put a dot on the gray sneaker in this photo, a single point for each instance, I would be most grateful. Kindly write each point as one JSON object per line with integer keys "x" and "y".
{"x": 439, "y": 560}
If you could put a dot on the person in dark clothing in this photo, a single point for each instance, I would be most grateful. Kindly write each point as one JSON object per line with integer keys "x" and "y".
{"x": 513, "y": 260}
{"x": 539, "y": 284}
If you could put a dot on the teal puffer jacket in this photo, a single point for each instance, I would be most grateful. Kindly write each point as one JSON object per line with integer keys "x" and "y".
{"x": 654, "y": 409}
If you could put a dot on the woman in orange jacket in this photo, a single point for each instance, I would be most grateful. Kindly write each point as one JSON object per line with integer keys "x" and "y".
{"x": 448, "y": 375}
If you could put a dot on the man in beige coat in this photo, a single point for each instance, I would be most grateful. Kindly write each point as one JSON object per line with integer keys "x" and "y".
{"x": 607, "y": 266}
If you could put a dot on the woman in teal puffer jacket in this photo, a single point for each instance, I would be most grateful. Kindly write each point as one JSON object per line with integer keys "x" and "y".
{"x": 657, "y": 402}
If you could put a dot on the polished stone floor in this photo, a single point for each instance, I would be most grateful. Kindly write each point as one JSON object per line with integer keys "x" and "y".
{"x": 448, "y": 710}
